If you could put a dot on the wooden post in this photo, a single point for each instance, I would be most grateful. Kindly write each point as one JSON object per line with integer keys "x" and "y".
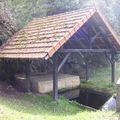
{"x": 55, "y": 78}
{"x": 118, "y": 96}
{"x": 113, "y": 67}
{"x": 87, "y": 69}
{"x": 28, "y": 75}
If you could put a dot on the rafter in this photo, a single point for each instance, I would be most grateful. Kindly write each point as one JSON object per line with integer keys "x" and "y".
{"x": 95, "y": 37}
{"x": 103, "y": 33}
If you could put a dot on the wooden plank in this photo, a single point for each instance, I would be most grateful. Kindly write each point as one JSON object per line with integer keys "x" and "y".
{"x": 84, "y": 50}
{"x": 24, "y": 56}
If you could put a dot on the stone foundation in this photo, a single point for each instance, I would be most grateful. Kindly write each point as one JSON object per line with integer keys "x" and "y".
{"x": 44, "y": 83}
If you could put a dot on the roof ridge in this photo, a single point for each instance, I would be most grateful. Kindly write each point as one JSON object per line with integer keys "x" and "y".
{"x": 67, "y": 12}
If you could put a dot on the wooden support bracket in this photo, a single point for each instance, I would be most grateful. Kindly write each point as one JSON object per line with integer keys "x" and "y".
{"x": 108, "y": 57}
{"x": 63, "y": 61}
{"x": 94, "y": 37}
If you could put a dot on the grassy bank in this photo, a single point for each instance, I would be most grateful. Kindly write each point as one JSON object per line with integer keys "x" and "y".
{"x": 32, "y": 107}
{"x": 100, "y": 79}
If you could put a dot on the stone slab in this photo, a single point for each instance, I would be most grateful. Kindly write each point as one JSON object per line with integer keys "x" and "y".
{"x": 44, "y": 83}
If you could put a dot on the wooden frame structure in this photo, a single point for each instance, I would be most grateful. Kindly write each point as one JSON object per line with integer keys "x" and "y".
{"x": 84, "y": 32}
{"x": 57, "y": 68}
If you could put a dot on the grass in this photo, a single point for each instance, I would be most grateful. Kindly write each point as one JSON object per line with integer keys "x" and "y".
{"x": 100, "y": 80}
{"x": 34, "y": 107}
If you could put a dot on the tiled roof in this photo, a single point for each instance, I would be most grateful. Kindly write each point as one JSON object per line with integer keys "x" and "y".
{"x": 42, "y": 37}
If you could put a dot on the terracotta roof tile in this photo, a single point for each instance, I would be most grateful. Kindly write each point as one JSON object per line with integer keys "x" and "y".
{"x": 42, "y": 37}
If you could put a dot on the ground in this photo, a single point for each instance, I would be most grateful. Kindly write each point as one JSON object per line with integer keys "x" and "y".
{"x": 15, "y": 105}
{"x": 100, "y": 79}
{"x": 20, "y": 106}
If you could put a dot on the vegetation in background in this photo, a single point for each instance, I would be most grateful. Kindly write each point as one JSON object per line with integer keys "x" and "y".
{"x": 25, "y": 10}
{"x": 100, "y": 80}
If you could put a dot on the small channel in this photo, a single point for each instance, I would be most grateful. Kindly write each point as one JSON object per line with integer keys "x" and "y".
{"x": 87, "y": 97}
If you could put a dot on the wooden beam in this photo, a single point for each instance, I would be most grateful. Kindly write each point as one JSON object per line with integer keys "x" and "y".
{"x": 95, "y": 37}
{"x": 82, "y": 55}
{"x": 84, "y": 50}
{"x": 103, "y": 33}
{"x": 55, "y": 78}
{"x": 63, "y": 61}
{"x": 87, "y": 69}
{"x": 86, "y": 61}
{"x": 113, "y": 67}
{"x": 28, "y": 75}
{"x": 108, "y": 57}
{"x": 80, "y": 41}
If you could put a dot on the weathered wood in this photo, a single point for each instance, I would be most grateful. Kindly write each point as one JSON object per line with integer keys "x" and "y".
{"x": 87, "y": 69}
{"x": 118, "y": 97}
{"x": 86, "y": 61}
{"x": 63, "y": 61}
{"x": 103, "y": 33}
{"x": 55, "y": 78}
{"x": 28, "y": 75}
{"x": 84, "y": 50}
{"x": 80, "y": 41}
{"x": 83, "y": 57}
{"x": 108, "y": 57}
{"x": 113, "y": 67}
{"x": 112, "y": 62}
{"x": 95, "y": 37}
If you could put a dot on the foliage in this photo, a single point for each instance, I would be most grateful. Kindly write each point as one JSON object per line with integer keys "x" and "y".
{"x": 7, "y": 24}
{"x": 25, "y": 10}
{"x": 110, "y": 9}
{"x": 100, "y": 79}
